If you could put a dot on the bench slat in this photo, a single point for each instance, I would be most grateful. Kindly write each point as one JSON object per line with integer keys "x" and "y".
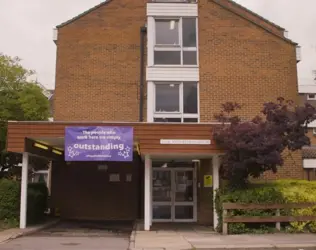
{"x": 266, "y": 206}
{"x": 261, "y": 219}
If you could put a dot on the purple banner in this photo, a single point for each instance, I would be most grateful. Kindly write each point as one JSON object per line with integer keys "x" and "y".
{"x": 99, "y": 144}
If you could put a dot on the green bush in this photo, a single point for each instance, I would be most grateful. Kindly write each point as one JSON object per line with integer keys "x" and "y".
{"x": 281, "y": 191}
{"x": 9, "y": 199}
{"x": 36, "y": 202}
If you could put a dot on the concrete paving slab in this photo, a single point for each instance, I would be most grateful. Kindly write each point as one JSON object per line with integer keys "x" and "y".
{"x": 65, "y": 243}
{"x": 14, "y": 233}
{"x": 178, "y": 239}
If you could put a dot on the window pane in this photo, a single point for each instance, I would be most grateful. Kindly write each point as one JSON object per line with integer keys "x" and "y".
{"x": 189, "y": 58}
{"x": 161, "y": 212}
{"x": 167, "y": 32}
{"x": 190, "y": 98}
{"x": 167, "y": 98}
{"x": 190, "y": 120}
{"x": 167, "y": 119}
{"x": 184, "y": 212}
{"x": 168, "y": 57}
{"x": 189, "y": 32}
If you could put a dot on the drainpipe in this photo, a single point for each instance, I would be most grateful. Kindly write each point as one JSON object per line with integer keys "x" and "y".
{"x": 143, "y": 31}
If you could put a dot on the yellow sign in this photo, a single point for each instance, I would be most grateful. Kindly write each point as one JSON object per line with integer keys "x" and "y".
{"x": 208, "y": 181}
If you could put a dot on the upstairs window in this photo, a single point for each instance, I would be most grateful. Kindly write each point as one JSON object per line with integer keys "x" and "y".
{"x": 176, "y": 102}
{"x": 175, "y": 41}
{"x": 311, "y": 97}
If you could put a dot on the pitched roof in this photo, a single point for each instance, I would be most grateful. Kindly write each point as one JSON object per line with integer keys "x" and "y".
{"x": 83, "y": 14}
{"x": 256, "y": 15}
{"x": 220, "y": 2}
{"x": 215, "y": 1}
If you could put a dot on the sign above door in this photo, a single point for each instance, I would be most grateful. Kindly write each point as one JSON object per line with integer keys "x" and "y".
{"x": 185, "y": 142}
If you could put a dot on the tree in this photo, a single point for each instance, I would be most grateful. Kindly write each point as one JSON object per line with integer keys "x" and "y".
{"x": 255, "y": 146}
{"x": 20, "y": 99}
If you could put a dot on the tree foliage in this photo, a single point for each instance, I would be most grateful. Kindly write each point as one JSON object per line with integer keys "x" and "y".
{"x": 20, "y": 100}
{"x": 255, "y": 146}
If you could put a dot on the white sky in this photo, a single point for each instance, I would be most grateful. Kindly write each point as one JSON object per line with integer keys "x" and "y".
{"x": 26, "y": 29}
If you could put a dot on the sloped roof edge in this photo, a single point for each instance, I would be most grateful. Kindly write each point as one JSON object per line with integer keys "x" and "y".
{"x": 254, "y": 22}
{"x": 257, "y": 15}
{"x": 82, "y": 14}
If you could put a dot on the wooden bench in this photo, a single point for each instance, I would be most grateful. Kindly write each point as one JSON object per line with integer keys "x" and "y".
{"x": 277, "y": 219}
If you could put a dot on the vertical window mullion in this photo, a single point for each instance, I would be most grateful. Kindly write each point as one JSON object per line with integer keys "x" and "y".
{"x": 181, "y": 38}
{"x": 181, "y": 100}
{"x": 154, "y": 98}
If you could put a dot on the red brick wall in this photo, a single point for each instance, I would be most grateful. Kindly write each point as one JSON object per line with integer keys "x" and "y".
{"x": 97, "y": 74}
{"x": 250, "y": 16}
{"x": 241, "y": 62}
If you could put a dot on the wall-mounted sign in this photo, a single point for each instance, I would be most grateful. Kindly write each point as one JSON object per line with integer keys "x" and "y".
{"x": 99, "y": 144}
{"x": 185, "y": 142}
{"x": 208, "y": 181}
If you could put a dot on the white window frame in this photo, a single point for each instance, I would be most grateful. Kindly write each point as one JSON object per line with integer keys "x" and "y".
{"x": 179, "y": 114}
{"x": 169, "y": 47}
{"x": 311, "y": 99}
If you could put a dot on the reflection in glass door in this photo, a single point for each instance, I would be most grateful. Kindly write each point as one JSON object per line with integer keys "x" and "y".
{"x": 184, "y": 202}
{"x": 174, "y": 194}
{"x": 161, "y": 193}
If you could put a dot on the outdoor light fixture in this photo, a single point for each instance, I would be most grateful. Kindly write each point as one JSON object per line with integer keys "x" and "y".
{"x": 40, "y": 146}
{"x": 57, "y": 152}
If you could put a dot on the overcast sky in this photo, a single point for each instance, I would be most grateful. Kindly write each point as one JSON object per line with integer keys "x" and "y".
{"x": 26, "y": 29}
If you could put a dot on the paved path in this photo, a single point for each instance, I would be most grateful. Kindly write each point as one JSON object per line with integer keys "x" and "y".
{"x": 65, "y": 243}
{"x": 71, "y": 235}
{"x": 202, "y": 239}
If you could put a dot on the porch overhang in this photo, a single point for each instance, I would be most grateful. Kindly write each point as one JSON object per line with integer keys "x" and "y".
{"x": 147, "y": 137}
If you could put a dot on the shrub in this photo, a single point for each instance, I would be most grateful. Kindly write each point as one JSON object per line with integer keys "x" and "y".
{"x": 281, "y": 191}
{"x": 36, "y": 202}
{"x": 9, "y": 199}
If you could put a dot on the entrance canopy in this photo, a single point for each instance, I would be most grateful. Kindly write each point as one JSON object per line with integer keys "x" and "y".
{"x": 160, "y": 140}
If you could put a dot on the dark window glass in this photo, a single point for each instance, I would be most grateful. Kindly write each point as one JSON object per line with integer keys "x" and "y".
{"x": 190, "y": 120}
{"x": 189, "y": 32}
{"x": 167, "y": 32}
{"x": 167, "y": 119}
{"x": 168, "y": 57}
{"x": 167, "y": 98}
{"x": 189, "y": 58}
{"x": 184, "y": 212}
{"x": 190, "y": 98}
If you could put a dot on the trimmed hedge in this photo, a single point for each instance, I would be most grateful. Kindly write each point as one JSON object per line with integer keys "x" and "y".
{"x": 281, "y": 191}
{"x": 10, "y": 201}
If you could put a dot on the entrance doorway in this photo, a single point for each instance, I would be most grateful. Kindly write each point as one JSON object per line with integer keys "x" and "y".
{"x": 174, "y": 194}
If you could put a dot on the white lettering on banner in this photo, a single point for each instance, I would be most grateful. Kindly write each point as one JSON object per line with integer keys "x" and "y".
{"x": 187, "y": 142}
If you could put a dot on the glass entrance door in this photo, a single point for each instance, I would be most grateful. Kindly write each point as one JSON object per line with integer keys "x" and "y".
{"x": 174, "y": 194}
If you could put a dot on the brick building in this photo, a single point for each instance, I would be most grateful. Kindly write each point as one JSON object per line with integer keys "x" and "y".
{"x": 162, "y": 68}
{"x": 307, "y": 93}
